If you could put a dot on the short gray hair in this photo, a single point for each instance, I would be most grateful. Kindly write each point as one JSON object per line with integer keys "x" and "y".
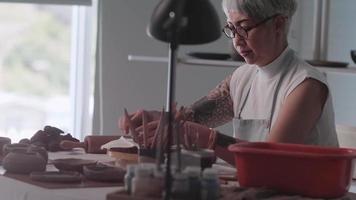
{"x": 261, "y": 9}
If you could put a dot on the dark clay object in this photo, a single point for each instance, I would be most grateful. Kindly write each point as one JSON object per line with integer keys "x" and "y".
{"x": 72, "y": 164}
{"x": 52, "y": 130}
{"x": 18, "y": 147}
{"x": 100, "y": 172}
{"x": 39, "y": 136}
{"x": 50, "y": 137}
{"x": 25, "y": 141}
{"x": 12, "y": 147}
{"x": 21, "y": 162}
{"x": 4, "y": 141}
{"x": 37, "y": 149}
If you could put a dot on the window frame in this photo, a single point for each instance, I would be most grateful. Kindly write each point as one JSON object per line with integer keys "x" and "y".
{"x": 81, "y": 61}
{"x": 57, "y": 2}
{"x": 81, "y": 71}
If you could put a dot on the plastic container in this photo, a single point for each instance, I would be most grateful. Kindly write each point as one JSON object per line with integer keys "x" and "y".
{"x": 210, "y": 186}
{"x": 306, "y": 170}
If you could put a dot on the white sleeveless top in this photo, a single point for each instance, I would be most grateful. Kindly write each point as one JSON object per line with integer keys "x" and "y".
{"x": 263, "y": 86}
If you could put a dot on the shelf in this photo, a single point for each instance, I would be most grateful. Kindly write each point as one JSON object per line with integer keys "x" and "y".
{"x": 345, "y": 70}
{"x": 188, "y": 61}
{"x": 226, "y": 63}
{"x": 211, "y": 63}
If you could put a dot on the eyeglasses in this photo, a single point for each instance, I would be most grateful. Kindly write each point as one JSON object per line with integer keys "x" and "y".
{"x": 231, "y": 31}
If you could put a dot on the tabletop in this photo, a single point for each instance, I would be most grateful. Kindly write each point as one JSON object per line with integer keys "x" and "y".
{"x": 11, "y": 189}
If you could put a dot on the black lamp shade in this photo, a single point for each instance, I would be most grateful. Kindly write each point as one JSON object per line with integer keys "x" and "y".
{"x": 198, "y": 22}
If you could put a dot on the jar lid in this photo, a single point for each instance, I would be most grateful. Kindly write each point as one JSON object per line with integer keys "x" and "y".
{"x": 158, "y": 173}
{"x": 180, "y": 177}
{"x": 143, "y": 171}
{"x": 130, "y": 169}
{"x": 210, "y": 173}
{"x": 192, "y": 171}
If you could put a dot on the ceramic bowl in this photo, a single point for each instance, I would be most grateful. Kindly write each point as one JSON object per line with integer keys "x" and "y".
{"x": 7, "y": 148}
{"x": 72, "y": 164}
{"x": 100, "y": 172}
{"x": 20, "y": 162}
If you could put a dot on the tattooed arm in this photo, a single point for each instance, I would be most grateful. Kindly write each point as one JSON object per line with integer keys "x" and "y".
{"x": 215, "y": 109}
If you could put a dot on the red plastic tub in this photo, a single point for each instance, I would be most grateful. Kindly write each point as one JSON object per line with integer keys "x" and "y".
{"x": 306, "y": 170}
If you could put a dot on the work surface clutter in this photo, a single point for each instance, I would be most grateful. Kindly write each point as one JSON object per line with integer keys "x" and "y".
{"x": 39, "y": 168}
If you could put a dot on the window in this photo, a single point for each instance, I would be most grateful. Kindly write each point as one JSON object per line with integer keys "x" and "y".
{"x": 45, "y": 67}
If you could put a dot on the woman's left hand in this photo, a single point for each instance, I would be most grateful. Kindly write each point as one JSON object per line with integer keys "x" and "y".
{"x": 191, "y": 135}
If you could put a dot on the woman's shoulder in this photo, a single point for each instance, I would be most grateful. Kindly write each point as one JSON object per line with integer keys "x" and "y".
{"x": 303, "y": 70}
{"x": 300, "y": 72}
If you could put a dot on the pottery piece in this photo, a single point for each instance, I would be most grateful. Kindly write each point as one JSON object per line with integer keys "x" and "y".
{"x": 4, "y": 141}
{"x": 72, "y": 164}
{"x": 22, "y": 147}
{"x": 41, "y": 150}
{"x": 11, "y": 147}
{"x": 50, "y": 137}
{"x": 100, "y": 172}
{"x": 22, "y": 162}
{"x": 25, "y": 141}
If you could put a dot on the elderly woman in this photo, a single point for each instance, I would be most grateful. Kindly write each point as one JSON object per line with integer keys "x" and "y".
{"x": 275, "y": 96}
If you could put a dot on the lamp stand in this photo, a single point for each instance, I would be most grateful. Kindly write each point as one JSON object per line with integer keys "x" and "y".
{"x": 169, "y": 108}
{"x": 180, "y": 22}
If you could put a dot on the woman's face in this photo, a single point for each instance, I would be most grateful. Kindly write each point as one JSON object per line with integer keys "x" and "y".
{"x": 263, "y": 43}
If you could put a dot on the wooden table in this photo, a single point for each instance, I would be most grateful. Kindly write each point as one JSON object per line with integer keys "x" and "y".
{"x": 12, "y": 189}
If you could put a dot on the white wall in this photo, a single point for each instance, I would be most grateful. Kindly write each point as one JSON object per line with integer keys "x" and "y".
{"x": 342, "y": 32}
{"x": 143, "y": 84}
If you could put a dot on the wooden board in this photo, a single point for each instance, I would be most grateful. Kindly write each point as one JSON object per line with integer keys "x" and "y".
{"x": 121, "y": 194}
{"x": 234, "y": 193}
{"x": 322, "y": 63}
{"x": 85, "y": 183}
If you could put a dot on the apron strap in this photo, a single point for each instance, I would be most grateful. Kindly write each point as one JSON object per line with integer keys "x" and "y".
{"x": 273, "y": 107}
{"x": 245, "y": 95}
{"x": 279, "y": 84}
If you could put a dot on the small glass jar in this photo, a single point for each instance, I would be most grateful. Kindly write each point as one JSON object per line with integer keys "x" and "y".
{"x": 210, "y": 189}
{"x": 141, "y": 182}
{"x": 130, "y": 173}
{"x": 180, "y": 187}
{"x": 158, "y": 183}
{"x": 194, "y": 179}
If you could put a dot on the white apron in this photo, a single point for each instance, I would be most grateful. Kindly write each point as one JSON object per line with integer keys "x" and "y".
{"x": 255, "y": 130}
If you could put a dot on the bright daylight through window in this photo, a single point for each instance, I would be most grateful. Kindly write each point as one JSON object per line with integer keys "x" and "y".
{"x": 36, "y": 57}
